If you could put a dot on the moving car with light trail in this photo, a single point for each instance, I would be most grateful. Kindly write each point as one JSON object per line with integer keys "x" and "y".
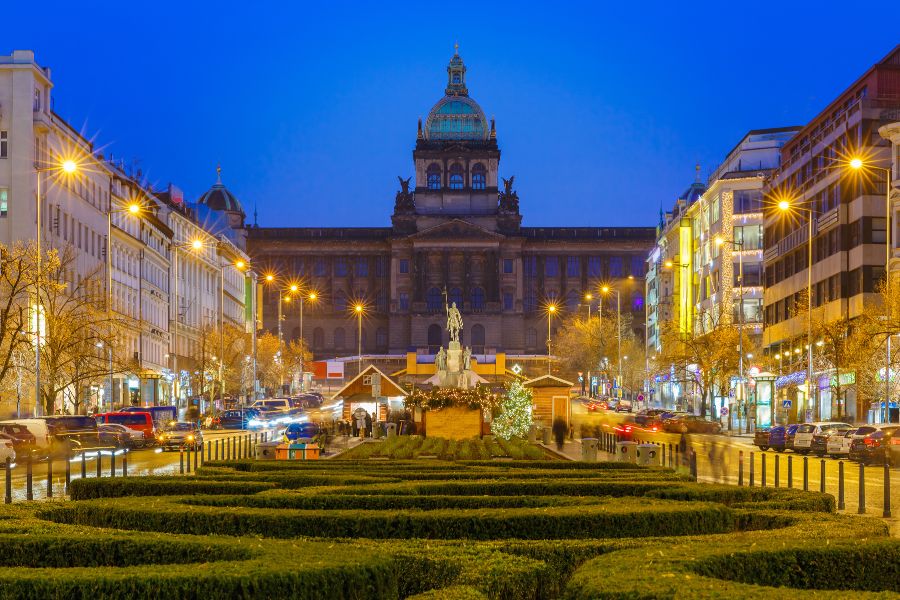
{"x": 180, "y": 434}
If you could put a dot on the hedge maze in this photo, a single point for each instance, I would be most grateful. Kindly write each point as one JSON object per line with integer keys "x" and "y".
{"x": 363, "y": 529}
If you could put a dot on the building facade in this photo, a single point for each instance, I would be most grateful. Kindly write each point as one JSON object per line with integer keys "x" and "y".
{"x": 455, "y": 236}
{"x": 847, "y": 211}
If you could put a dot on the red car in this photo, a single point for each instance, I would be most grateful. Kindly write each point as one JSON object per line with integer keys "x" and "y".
{"x": 691, "y": 424}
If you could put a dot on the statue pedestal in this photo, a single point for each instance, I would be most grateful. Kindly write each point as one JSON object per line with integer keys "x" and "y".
{"x": 454, "y": 357}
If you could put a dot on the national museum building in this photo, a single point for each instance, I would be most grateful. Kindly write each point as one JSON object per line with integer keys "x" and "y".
{"x": 456, "y": 232}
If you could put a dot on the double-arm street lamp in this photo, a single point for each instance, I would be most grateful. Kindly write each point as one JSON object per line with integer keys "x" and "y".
{"x": 606, "y": 290}
{"x": 739, "y": 246}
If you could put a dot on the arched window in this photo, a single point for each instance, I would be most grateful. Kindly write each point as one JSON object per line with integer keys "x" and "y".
{"x": 434, "y": 338}
{"x": 531, "y": 338}
{"x": 318, "y": 338}
{"x": 339, "y": 340}
{"x": 477, "y": 339}
{"x": 572, "y": 301}
{"x": 434, "y": 176}
{"x": 456, "y": 296}
{"x": 457, "y": 181}
{"x": 479, "y": 180}
{"x": 433, "y": 300}
{"x": 381, "y": 338}
{"x": 477, "y": 299}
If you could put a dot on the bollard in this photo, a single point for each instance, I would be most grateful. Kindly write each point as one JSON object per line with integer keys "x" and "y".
{"x": 741, "y": 468}
{"x": 790, "y": 476}
{"x": 822, "y": 477}
{"x": 887, "y": 488}
{"x": 181, "y": 460}
{"x": 238, "y": 454}
{"x": 8, "y": 480}
{"x": 83, "y": 465}
{"x": 841, "y": 485}
{"x": 862, "y": 490}
{"x": 662, "y": 448}
{"x": 68, "y": 470}
{"x": 50, "y": 476}
{"x": 112, "y": 463}
{"x": 671, "y": 457}
{"x": 29, "y": 491}
{"x": 227, "y": 450}
{"x": 196, "y": 457}
{"x": 751, "y": 469}
{"x": 777, "y": 474}
{"x": 208, "y": 451}
{"x": 99, "y": 463}
{"x": 125, "y": 465}
{"x": 805, "y": 473}
{"x": 217, "y": 449}
{"x": 762, "y": 475}
{"x": 693, "y": 464}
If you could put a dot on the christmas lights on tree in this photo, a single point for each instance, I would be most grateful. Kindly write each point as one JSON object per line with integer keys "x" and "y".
{"x": 514, "y": 418}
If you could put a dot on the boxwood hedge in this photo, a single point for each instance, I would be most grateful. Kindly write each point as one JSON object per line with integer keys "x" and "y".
{"x": 438, "y": 530}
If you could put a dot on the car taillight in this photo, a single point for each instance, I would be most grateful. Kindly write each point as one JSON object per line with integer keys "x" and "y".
{"x": 653, "y": 428}
{"x": 627, "y": 428}
{"x": 872, "y": 442}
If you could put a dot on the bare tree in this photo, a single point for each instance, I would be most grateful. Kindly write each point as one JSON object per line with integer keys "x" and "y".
{"x": 16, "y": 281}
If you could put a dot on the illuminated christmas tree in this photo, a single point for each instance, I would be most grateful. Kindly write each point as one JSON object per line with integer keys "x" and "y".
{"x": 514, "y": 419}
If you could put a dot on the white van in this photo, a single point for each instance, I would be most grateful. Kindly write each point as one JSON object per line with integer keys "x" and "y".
{"x": 37, "y": 427}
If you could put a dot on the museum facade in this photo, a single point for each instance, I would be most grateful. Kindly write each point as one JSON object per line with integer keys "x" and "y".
{"x": 455, "y": 236}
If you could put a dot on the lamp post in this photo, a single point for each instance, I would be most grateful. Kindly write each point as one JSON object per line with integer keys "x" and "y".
{"x": 606, "y": 289}
{"x": 358, "y": 309}
{"x": 196, "y": 244}
{"x": 857, "y": 164}
{"x": 551, "y": 310}
{"x": 241, "y": 266}
{"x": 739, "y": 246}
{"x": 785, "y": 206}
{"x": 68, "y": 167}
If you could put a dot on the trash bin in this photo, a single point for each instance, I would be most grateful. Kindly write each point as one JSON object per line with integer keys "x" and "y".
{"x": 625, "y": 451}
{"x": 647, "y": 454}
{"x": 266, "y": 450}
{"x": 547, "y": 432}
{"x": 589, "y": 449}
{"x": 391, "y": 429}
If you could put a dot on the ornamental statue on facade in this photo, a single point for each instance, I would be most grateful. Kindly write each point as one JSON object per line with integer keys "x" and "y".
{"x": 509, "y": 199}
{"x": 405, "y": 201}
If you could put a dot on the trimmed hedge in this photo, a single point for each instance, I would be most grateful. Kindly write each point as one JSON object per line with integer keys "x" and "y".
{"x": 114, "y": 487}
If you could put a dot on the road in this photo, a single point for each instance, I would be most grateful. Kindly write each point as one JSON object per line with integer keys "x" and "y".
{"x": 141, "y": 461}
{"x": 719, "y": 458}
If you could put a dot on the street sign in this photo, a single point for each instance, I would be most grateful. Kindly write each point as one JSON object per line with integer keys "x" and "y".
{"x": 785, "y": 404}
{"x": 640, "y": 398}
{"x": 723, "y": 411}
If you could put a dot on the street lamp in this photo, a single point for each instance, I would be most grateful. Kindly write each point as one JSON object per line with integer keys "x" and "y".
{"x": 132, "y": 208}
{"x": 739, "y": 246}
{"x": 786, "y": 206}
{"x": 551, "y": 310}
{"x": 857, "y": 163}
{"x": 359, "y": 309}
{"x": 240, "y": 265}
{"x": 606, "y": 289}
{"x": 194, "y": 245}
{"x": 69, "y": 167}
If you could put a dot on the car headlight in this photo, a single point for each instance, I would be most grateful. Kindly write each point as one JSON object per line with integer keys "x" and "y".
{"x": 190, "y": 438}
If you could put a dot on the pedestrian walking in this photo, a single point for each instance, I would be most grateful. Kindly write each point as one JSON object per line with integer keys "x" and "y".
{"x": 368, "y": 424}
{"x": 559, "y": 432}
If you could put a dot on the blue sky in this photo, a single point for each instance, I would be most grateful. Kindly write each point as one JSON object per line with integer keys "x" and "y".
{"x": 602, "y": 109}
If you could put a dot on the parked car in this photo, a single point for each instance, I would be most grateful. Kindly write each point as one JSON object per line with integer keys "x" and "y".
{"x": 691, "y": 424}
{"x": 623, "y": 406}
{"x": 803, "y": 438}
{"x": 22, "y": 439}
{"x": 37, "y": 428}
{"x": 7, "y": 450}
{"x": 820, "y": 440}
{"x": 838, "y": 443}
{"x": 871, "y": 442}
{"x": 789, "y": 433}
{"x": 773, "y": 438}
{"x": 181, "y": 434}
{"x": 161, "y": 415}
{"x": 138, "y": 421}
{"x": 70, "y": 433}
{"x": 119, "y": 436}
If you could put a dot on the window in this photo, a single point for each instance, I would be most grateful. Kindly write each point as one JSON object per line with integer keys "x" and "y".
{"x": 381, "y": 301}
{"x": 340, "y": 302}
{"x": 434, "y": 338}
{"x": 594, "y": 267}
{"x": 340, "y": 267}
{"x": 457, "y": 181}
{"x": 380, "y": 271}
{"x": 381, "y": 338}
{"x": 404, "y": 266}
{"x": 457, "y": 297}
{"x": 879, "y": 230}
{"x": 433, "y": 300}
{"x": 747, "y": 201}
{"x": 339, "y": 337}
{"x": 714, "y": 211}
{"x": 404, "y": 301}
{"x": 434, "y": 176}
{"x": 529, "y": 303}
{"x": 615, "y": 266}
{"x": 507, "y": 265}
{"x": 753, "y": 310}
{"x": 319, "y": 268}
{"x": 551, "y": 266}
{"x": 477, "y": 340}
{"x": 529, "y": 264}
{"x": 531, "y": 338}
{"x": 478, "y": 178}
{"x": 573, "y": 266}
{"x": 508, "y": 302}
{"x": 751, "y": 236}
{"x": 477, "y": 299}
{"x": 4, "y": 144}
{"x": 573, "y": 299}
{"x": 362, "y": 267}
{"x": 637, "y": 266}
{"x": 36, "y": 104}
{"x": 752, "y": 274}
{"x": 4, "y": 202}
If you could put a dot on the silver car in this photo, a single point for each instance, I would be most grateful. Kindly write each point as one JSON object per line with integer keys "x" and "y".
{"x": 181, "y": 434}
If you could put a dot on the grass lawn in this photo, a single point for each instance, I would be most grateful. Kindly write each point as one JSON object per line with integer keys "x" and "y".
{"x": 414, "y": 446}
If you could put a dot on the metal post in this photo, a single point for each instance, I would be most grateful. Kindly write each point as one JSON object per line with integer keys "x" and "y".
{"x": 125, "y": 465}
{"x": 805, "y": 474}
{"x": 112, "y": 463}
{"x": 841, "y": 485}
{"x": 822, "y": 476}
{"x": 763, "y": 470}
{"x": 175, "y": 380}
{"x": 810, "y": 386}
{"x": 99, "y": 463}
{"x": 777, "y": 469}
{"x": 181, "y": 460}
{"x": 68, "y": 470}
{"x": 208, "y": 451}
{"x": 37, "y": 314}
{"x": 83, "y": 465}
{"x": 50, "y": 476}
{"x": 741, "y": 468}
{"x": 887, "y": 286}
{"x": 196, "y": 457}
{"x": 887, "y": 488}
{"x": 8, "y": 480}
{"x": 217, "y": 450}
{"x": 790, "y": 473}
{"x": 751, "y": 469}
{"x": 862, "y": 490}
{"x": 29, "y": 489}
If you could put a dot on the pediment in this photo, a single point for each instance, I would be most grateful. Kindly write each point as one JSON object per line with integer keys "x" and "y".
{"x": 456, "y": 229}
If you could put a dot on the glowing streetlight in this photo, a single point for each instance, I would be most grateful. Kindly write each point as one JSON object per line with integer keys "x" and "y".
{"x": 134, "y": 208}
{"x": 270, "y": 278}
{"x": 856, "y": 163}
{"x": 294, "y": 288}
{"x": 784, "y": 205}
{"x": 358, "y": 309}
{"x": 197, "y": 244}
{"x": 551, "y": 310}
{"x": 240, "y": 265}
{"x": 69, "y": 166}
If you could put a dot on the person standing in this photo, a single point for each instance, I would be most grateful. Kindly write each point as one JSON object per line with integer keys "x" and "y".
{"x": 368, "y": 424}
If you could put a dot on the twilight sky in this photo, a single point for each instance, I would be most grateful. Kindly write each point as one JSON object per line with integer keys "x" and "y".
{"x": 602, "y": 109}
